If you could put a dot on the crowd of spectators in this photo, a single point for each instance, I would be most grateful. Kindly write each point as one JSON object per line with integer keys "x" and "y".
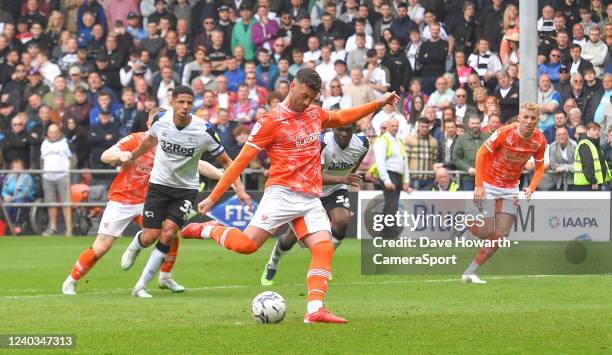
{"x": 94, "y": 68}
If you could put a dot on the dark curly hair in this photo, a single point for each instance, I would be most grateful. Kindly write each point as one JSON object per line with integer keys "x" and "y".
{"x": 310, "y": 78}
{"x": 182, "y": 89}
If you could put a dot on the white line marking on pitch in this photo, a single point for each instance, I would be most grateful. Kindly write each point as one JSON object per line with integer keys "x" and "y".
{"x": 223, "y": 287}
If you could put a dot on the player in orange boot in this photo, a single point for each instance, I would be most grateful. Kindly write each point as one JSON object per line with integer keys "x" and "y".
{"x": 290, "y": 135}
{"x": 499, "y": 165}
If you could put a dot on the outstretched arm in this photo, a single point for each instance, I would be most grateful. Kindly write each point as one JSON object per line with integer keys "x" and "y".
{"x": 350, "y": 115}
{"x": 208, "y": 170}
{"x": 114, "y": 155}
{"x": 120, "y": 152}
{"x": 538, "y": 174}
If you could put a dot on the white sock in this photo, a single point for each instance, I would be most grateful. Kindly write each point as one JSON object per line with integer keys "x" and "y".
{"x": 165, "y": 275}
{"x": 313, "y": 306}
{"x": 135, "y": 244}
{"x": 151, "y": 268}
{"x": 206, "y": 231}
{"x": 472, "y": 268}
{"x": 275, "y": 256}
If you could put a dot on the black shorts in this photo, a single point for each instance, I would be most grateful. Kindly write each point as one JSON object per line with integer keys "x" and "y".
{"x": 164, "y": 202}
{"x": 337, "y": 199}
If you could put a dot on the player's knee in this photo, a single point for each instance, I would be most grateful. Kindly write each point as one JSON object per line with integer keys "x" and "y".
{"x": 287, "y": 241}
{"x": 340, "y": 215}
{"x": 167, "y": 237}
{"x": 475, "y": 230}
{"x": 168, "y": 234}
{"x": 99, "y": 251}
{"x": 483, "y": 231}
{"x": 148, "y": 237}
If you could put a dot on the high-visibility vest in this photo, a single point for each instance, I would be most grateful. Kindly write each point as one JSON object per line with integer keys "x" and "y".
{"x": 374, "y": 170}
{"x": 579, "y": 177}
{"x": 452, "y": 188}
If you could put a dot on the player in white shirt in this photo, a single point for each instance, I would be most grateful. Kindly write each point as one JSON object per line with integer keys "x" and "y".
{"x": 181, "y": 139}
{"x": 341, "y": 153}
{"x": 55, "y": 155}
{"x": 126, "y": 198}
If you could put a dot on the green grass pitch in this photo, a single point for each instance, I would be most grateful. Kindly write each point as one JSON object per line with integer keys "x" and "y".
{"x": 387, "y": 314}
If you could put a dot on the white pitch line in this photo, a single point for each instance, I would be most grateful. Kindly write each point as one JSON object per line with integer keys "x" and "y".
{"x": 223, "y": 287}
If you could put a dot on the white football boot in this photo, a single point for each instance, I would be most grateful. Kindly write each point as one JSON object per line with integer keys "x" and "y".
{"x": 141, "y": 292}
{"x": 472, "y": 278}
{"x": 167, "y": 283}
{"x": 128, "y": 258}
{"x": 69, "y": 286}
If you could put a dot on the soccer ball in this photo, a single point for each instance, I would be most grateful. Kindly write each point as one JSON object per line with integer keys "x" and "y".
{"x": 269, "y": 307}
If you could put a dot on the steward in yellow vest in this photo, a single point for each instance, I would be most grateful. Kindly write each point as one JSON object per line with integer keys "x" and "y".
{"x": 444, "y": 182}
{"x": 391, "y": 169}
{"x": 591, "y": 170}
{"x": 386, "y": 138}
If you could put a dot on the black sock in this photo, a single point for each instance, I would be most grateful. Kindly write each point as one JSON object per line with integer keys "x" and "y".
{"x": 164, "y": 248}
{"x": 138, "y": 236}
{"x": 337, "y": 235}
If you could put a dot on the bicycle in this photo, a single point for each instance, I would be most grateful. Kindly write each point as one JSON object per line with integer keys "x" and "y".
{"x": 81, "y": 216}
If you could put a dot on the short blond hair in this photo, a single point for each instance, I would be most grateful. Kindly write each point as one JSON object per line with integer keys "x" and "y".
{"x": 531, "y": 106}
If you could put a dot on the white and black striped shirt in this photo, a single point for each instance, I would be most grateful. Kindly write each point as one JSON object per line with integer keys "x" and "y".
{"x": 546, "y": 27}
{"x": 484, "y": 64}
